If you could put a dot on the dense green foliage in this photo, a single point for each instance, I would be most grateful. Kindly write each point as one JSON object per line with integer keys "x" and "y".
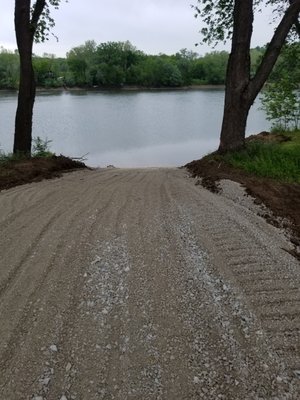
{"x": 115, "y": 64}
{"x": 281, "y": 97}
{"x": 9, "y": 69}
{"x": 280, "y": 161}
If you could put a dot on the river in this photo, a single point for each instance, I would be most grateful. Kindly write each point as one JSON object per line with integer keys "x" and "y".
{"x": 127, "y": 128}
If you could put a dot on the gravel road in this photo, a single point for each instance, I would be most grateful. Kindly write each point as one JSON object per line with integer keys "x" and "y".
{"x": 139, "y": 284}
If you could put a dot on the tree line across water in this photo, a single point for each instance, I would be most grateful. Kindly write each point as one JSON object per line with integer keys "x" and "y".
{"x": 115, "y": 64}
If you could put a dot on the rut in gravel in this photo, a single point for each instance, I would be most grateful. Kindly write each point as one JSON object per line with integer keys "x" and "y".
{"x": 138, "y": 284}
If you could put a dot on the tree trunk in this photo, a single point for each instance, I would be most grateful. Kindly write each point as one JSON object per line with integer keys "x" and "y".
{"x": 241, "y": 91}
{"x": 237, "y": 105}
{"x": 23, "y": 122}
{"x": 234, "y": 123}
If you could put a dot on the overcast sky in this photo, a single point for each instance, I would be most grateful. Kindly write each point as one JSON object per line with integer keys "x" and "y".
{"x": 153, "y": 26}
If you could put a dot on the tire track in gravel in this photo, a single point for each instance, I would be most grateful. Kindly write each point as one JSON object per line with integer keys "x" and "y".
{"x": 31, "y": 224}
{"x": 27, "y": 252}
{"x": 157, "y": 326}
{"x": 144, "y": 286}
{"x": 56, "y": 248}
{"x": 225, "y": 324}
{"x": 78, "y": 218}
{"x": 80, "y": 352}
{"x": 18, "y": 201}
{"x": 129, "y": 363}
{"x": 240, "y": 252}
{"x": 74, "y": 216}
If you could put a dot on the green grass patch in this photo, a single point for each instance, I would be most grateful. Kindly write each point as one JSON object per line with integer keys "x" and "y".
{"x": 280, "y": 161}
{"x": 40, "y": 149}
{"x": 6, "y": 158}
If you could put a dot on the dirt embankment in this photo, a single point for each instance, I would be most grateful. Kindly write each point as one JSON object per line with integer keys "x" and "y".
{"x": 19, "y": 172}
{"x": 139, "y": 284}
{"x": 283, "y": 199}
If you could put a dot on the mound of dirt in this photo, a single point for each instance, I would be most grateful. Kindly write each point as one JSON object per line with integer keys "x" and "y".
{"x": 283, "y": 199}
{"x": 268, "y": 137}
{"x": 19, "y": 172}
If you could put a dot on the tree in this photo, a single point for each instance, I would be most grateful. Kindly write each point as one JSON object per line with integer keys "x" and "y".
{"x": 281, "y": 103}
{"x": 81, "y": 61}
{"x": 234, "y": 19}
{"x": 281, "y": 97}
{"x": 184, "y": 61}
{"x": 214, "y": 67}
{"x": 9, "y": 69}
{"x": 31, "y": 22}
{"x": 115, "y": 61}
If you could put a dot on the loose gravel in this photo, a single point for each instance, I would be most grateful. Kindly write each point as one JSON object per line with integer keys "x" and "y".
{"x": 140, "y": 285}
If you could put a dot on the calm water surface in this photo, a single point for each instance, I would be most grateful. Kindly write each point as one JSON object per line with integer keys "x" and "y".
{"x": 127, "y": 129}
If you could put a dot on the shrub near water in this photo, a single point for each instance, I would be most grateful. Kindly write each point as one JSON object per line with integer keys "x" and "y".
{"x": 273, "y": 160}
{"x": 41, "y": 147}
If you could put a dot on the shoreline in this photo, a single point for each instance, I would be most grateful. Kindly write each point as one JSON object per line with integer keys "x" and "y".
{"x": 125, "y": 88}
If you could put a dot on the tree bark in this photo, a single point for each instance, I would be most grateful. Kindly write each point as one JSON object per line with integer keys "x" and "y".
{"x": 25, "y": 29}
{"x": 24, "y": 36}
{"x": 236, "y": 105}
{"x": 241, "y": 90}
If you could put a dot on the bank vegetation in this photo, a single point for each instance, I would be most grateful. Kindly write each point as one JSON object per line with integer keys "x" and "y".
{"x": 118, "y": 64}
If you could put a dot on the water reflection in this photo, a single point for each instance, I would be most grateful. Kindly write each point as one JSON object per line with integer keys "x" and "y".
{"x": 168, "y": 155}
{"x": 151, "y": 128}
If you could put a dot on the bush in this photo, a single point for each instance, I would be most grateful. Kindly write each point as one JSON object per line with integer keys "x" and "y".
{"x": 41, "y": 147}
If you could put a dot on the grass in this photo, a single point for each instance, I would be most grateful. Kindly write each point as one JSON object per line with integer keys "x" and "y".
{"x": 10, "y": 158}
{"x": 6, "y": 158}
{"x": 40, "y": 149}
{"x": 280, "y": 161}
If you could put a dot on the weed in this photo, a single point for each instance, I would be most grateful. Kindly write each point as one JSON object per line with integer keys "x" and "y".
{"x": 273, "y": 160}
{"x": 7, "y": 157}
{"x": 41, "y": 148}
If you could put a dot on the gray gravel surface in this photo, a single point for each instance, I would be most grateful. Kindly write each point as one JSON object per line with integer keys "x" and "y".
{"x": 138, "y": 284}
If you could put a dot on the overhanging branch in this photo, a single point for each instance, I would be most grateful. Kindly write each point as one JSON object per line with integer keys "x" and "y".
{"x": 37, "y": 12}
{"x": 297, "y": 26}
{"x": 273, "y": 49}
